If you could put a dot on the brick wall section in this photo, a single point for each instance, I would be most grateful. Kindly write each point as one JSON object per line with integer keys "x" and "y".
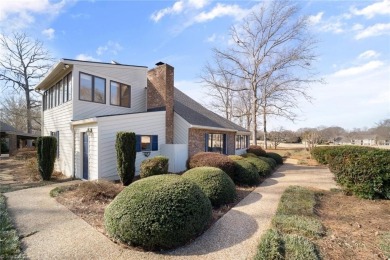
{"x": 197, "y": 137}
{"x": 160, "y": 93}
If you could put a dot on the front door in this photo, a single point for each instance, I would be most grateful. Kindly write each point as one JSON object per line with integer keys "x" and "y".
{"x": 85, "y": 156}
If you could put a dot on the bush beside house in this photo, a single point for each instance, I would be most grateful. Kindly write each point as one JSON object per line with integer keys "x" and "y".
{"x": 46, "y": 155}
{"x": 159, "y": 212}
{"x": 125, "y": 156}
{"x": 257, "y": 150}
{"x": 154, "y": 166}
{"x": 217, "y": 160}
{"x": 214, "y": 182}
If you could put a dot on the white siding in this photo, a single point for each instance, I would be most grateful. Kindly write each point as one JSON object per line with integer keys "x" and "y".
{"x": 134, "y": 76}
{"x": 93, "y": 166}
{"x": 58, "y": 119}
{"x": 180, "y": 130}
{"x": 152, "y": 123}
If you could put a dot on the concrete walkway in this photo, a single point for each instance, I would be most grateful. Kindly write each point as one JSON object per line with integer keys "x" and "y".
{"x": 51, "y": 231}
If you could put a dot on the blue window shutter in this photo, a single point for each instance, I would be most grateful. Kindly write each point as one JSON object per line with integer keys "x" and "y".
{"x": 224, "y": 144}
{"x": 138, "y": 143}
{"x": 154, "y": 142}
{"x": 206, "y": 142}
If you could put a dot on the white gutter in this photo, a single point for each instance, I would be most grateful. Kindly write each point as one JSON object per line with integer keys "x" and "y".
{"x": 84, "y": 121}
{"x": 213, "y": 128}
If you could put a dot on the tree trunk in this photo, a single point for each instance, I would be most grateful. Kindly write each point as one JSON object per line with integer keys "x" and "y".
{"x": 265, "y": 127}
{"x": 254, "y": 118}
{"x": 29, "y": 117}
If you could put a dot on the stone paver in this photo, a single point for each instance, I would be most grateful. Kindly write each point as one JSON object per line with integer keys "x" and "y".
{"x": 53, "y": 232}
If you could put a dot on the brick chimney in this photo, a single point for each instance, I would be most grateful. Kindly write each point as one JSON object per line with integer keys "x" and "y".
{"x": 160, "y": 95}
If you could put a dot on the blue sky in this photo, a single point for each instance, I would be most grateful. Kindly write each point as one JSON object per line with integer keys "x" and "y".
{"x": 353, "y": 48}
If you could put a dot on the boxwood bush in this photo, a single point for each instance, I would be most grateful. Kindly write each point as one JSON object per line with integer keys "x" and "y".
{"x": 125, "y": 156}
{"x": 154, "y": 166}
{"x": 217, "y": 160}
{"x": 46, "y": 155}
{"x": 257, "y": 150}
{"x": 270, "y": 161}
{"x": 276, "y": 157}
{"x": 263, "y": 168}
{"x": 364, "y": 171}
{"x": 246, "y": 155}
{"x": 214, "y": 182}
{"x": 246, "y": 173}
{"x": 159, "y": 212}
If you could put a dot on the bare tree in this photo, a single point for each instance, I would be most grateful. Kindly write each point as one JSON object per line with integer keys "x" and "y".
{"x": 277, "y": 136}
{"x": 272, "y": 51}
{"x": 24, "y": 61}
{"x": 14, "y": 111}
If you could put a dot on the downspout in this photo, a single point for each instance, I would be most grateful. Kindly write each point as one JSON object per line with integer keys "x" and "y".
{"x": 73, "y": 153}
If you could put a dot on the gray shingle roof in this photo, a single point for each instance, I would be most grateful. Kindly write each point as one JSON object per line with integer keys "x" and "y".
{"x": 6, "y": 127}
{"x": 196, "y": 114}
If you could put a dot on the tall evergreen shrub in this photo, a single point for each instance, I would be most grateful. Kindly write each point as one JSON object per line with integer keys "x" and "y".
{"x": 125, "y": 156}
{"x": 46, "y": 155}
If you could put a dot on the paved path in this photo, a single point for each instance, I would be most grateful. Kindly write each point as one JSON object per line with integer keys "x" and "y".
{"x": 53, "y": 232}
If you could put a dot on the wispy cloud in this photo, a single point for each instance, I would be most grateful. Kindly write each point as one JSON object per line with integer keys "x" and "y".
{"x": 178, "y": 7}
{"x": 378, "y": 8}
{"x": 20, "y": 14}
{"x": 49, "y": 33}
{"x": 221, "y": 10}
{"x": 86, "y": 57}
{"x": 315, "y": 19}
{"x": 368, "y": 55}
{"x": 352, "y": 71}
{"x": 374, "y": 30}
{"x": 111, "y": 47}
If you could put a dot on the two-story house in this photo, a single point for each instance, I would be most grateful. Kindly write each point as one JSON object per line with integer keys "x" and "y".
{"x": 86, "y": 103}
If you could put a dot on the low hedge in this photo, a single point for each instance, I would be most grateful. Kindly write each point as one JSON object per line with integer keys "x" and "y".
{"x": 270, "y": 161}
{"x": 263, "y": 168}
{"x": 257, "y": 150}
{"x": 214, "y": 182}
{"x": 246, "y": 173}
{"x": 236, "y": 157}
{"x": 276, "y": 157}
{"x": 154, "y": 166}
{"x": 364, "y": 171}
{"x": 217, "y": 160}
{"x": 247, "y": 155}
{"x": 159, "y": 212}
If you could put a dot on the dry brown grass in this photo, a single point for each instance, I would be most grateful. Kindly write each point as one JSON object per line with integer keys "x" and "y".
{"x": 302, "y": 155}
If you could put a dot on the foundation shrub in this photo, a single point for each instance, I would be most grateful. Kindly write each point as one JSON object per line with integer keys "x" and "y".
{"x": 263, "y": 168}
{"x": 246, "y": 173}
{"x": 276, "y": 157}
{"x": 154, "y": 166}
{"x": 236, "y": 157}
{"x": 217, "y": 160}
{"x": 269, "y": 160}
{"x": 125, "y": 156}
{"x": 247, "y": 155}
{"x": 214, "y": 182}
{"x": 257, "y": 150}
{"x": 159, "y": 212}
{"x": 46, "y": 155}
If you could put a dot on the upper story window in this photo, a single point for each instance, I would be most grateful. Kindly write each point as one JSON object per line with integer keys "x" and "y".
{"x": 119, "y": 94}
{"x": 92, "y": 88}
{"x": 59, "y": 93}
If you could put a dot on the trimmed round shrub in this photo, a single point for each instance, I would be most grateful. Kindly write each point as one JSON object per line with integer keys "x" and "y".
{"x": 159, "y": 212}
{"x": 217, "y": 160}
{"x": 236, "y": 157}
{"x": 247, "y": 155}
{"x": 263, "y": 168}
{"x": 246, "y": 173}
{"x": 276, "y": 157}
{"x": 257, "y": 150}
{"x": 269, "y": 160}
{"x": 214, "y": 182}
{"x": 154, "y": 166}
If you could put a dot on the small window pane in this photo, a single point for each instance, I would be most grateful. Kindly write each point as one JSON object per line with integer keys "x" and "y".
{"x": 146, "y": 143}
{"x": 125, "y": 96}
{"x": 115, "y": 99}
{"x": 70, "y": 86}
{"x": 85, "y": 87}
{"x": 99, "y": 90}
